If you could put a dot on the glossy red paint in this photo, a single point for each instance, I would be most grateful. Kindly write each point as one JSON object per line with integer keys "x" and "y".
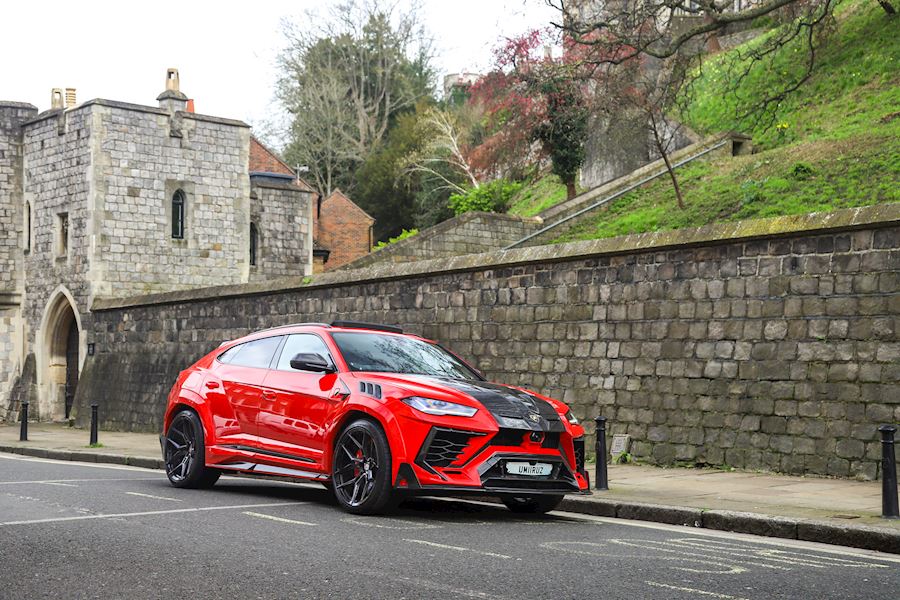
{"x": 266, "y": 417}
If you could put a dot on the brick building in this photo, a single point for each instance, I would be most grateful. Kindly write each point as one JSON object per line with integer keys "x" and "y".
{"x": 342, "y": 231}
{"x": 110, "y": 199}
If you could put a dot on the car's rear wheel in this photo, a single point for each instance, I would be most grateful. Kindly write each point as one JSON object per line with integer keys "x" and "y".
{"x": 361, "y": 469}
{"x": 185, "y": 453}
{"x": 534, "y": 505}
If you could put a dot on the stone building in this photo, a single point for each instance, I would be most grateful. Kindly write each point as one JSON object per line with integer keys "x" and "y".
{"x": 110, "y": 199}
{"x": 342, "y": 231}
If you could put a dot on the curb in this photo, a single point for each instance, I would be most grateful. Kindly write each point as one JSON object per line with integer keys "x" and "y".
{"x": 809, "y": 530}
{"x": 83, "y": 456}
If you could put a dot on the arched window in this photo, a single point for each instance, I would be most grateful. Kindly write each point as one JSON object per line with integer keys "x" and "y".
{"x": 254, "y": 243}
{"x": 178, "y": 201}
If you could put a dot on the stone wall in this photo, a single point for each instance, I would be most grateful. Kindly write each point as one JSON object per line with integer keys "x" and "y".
{"x": 13, "y": 241}
{"x": 468, "y": 233}
{"x": 768, "y": 344}
{"x": 57, "y": 155}
{"x": 142, "y": 155}
{"x": 282, "y": 213}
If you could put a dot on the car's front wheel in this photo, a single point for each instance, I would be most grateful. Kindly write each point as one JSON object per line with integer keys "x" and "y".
{"x": 361, "y": 469}
{"x": 185, "y": 453}
{"x": 534, "y": 505}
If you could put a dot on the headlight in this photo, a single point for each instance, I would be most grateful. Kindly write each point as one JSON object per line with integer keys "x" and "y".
{"x": 439, "y": 407}
{"x": 571, "y": 418}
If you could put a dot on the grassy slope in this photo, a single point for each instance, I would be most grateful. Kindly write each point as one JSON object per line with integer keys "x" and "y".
{"x": 841, "y": 146}
{"x": 537, "y": 195}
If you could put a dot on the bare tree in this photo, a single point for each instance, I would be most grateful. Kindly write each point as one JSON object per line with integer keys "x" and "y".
{"x": 345, "y": 81}
{"x": 444, "y": 147}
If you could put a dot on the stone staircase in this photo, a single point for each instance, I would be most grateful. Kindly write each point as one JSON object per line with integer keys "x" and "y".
{"x": 560, "y": 218}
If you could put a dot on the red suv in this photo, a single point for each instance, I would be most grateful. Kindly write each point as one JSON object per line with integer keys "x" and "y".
{"x": 372, "y": 413}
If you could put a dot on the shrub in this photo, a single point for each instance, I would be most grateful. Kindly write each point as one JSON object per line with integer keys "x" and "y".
{"x": 802, "y": 171}
{"x": 493, "y": 196}
{"x": 406, "y": 233}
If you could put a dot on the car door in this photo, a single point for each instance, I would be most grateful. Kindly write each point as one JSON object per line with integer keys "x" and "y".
{"x": 242, "y": 370}
{"x": 297, "y": 404}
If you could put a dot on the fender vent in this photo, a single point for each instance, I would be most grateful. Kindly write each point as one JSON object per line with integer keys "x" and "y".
{"x": 372, "y": 389}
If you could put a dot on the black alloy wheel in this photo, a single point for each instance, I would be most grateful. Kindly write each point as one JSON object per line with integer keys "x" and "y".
{"x": 534, "y": 505}
{"x": 361, "y": 468}
{"x": 184, "y": 454}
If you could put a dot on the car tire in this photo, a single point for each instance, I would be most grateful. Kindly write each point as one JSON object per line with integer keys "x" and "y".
{"x": 361, "y": 469}
{"x": 533, "y": 505}
{"x": 185, "y": 453}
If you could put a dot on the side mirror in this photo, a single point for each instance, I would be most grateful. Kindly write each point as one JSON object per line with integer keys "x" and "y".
{"x": 311, "y": 361}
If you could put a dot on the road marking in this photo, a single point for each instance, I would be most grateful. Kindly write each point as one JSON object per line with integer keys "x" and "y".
{"x": 429, "y": 585}
{"x": 693, "y": 591}
{"x": 76, "y": 463}
{"x": 152, "y": 496}
{"x": 59, "y": 483}
{"x": 599, "y": 550}
{"x": 719, "y": 548}
{"x": 147, "y": 513}
{"x": 745, "y": 537}
{"x": 458, "y": 548}
{"x": 63, "y": 481}
{"x": 279, "y": 519}
{"x": 382, "y": 523}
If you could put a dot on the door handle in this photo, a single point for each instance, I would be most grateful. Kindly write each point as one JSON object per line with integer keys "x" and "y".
{"x": 212, "y": 384}
{"x": 268, "y": 394}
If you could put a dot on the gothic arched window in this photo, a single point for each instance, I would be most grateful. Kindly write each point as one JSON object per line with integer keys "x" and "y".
{"x": 178, "y": 202}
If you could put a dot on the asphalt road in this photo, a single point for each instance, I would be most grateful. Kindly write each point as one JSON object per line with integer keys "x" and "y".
{"x": 75, "y": 530}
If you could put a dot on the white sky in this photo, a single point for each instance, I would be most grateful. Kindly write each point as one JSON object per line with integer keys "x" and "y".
{"x": 224, "y": 51}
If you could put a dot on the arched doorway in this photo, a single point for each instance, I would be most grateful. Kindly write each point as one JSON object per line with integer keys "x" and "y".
{"x": 61, "y": 358}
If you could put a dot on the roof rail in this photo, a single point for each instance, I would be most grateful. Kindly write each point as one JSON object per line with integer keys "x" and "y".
{"x": 361, "y": 325}
{"x": 294, "y": 325}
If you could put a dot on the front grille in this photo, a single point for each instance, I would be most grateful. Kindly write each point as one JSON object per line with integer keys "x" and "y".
{"x": 579, "y": 454}
{"x": 445, "y": 446}
{"x": 551, "y": 440}
{"x": 509, "y": 437}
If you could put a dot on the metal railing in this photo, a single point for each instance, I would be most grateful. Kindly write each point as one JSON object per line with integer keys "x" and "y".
{"x": 662, "y": 171}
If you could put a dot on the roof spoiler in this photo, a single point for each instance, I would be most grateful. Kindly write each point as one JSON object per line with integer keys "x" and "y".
{"x": 361, "y": 325}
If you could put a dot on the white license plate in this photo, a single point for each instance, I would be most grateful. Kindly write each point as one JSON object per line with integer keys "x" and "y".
{"x": 524, "y": 468}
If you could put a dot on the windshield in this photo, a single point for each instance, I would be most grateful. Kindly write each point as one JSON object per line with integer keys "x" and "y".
{"x": 397, "y": 354}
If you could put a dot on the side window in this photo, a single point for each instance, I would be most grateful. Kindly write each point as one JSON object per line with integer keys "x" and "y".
{"x": 301, "y": 343}
{"x": 226, "y": 356}
{"x": 257, "y": 354}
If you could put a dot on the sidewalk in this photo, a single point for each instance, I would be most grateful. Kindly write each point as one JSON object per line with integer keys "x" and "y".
{"x": 835, "y": 511}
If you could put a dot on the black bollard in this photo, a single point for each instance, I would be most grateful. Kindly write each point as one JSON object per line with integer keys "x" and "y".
{"x": 601, "y": 476}
{"x": 23, "y": 428}
{"x": 889, "y": 506}
{"x": 93, "y": 424}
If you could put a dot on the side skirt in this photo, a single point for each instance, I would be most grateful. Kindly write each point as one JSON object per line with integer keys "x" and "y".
{"x": 261, "y": 469}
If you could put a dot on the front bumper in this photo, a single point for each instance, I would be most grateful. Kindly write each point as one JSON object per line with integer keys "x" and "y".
{"x": 459, "y": 461}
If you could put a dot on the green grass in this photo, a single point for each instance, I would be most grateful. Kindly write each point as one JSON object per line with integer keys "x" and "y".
{"x": 838, "y": 147}
{"x": 537, "y": 195}
{"x": 854, "y": 86}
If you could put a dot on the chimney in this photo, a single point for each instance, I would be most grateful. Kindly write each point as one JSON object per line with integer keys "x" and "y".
{"x": 56, "y": 99}
{"x": 172, "y": 98}
{"x": 172, "y": 83}
{"x": 70, "y": 97}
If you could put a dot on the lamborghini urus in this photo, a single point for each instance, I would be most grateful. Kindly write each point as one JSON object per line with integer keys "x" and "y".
{"x": 373, "y": 414}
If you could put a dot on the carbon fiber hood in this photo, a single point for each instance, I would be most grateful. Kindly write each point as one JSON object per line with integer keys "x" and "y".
{"x": 511, "y": 408}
